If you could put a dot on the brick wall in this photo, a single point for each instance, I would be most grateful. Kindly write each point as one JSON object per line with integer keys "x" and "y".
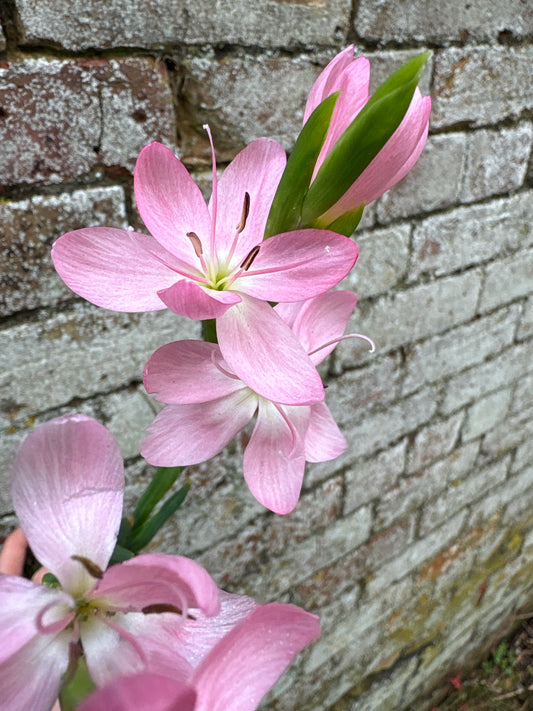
{"x": 415, "y": 546}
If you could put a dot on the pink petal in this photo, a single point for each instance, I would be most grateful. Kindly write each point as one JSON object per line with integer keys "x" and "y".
{"x": 31, "y": 678}
{"x": 157, "y": 579}
{"x": 190, "y": 434}
{"x": 395, "y": 159}
{"x": 143, "y": 692}
{"x": 326, "y": 81}
{"x": 323, "y": 439}
{"x": 274, "y": 461}
{"x": 298, "y": 265}
{"x": 323, "y": 319}
{"x": 21, "y": 601}
{"x": 72, "y": 467}
{"x": 185, "y": 372}
{"x": 256, "y": 170}
{"x": 114, "y": 268}
{"x": 251, "y": 658}
{"x": 262, "y": 350}
{"x": 170, "y": 202}
{"x": 187, "y": 298}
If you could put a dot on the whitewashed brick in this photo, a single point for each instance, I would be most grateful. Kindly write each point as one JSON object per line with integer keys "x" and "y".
{"x": 482, "y": 379}
{"x": 509, "y": 433}
{"x": 496, "y": 162}
{"x": 525, "y": 329}
{"x": 460, "y": 493}
{"x": 422, "y": 21}
{"x": 368, "y": 479}
{"x": 486, "y": 413}
{"x": 524, "y": 458}
{"x": 467, "y": 236}
{"x": 382, "y": 263}
{"x": 405, "y": 316}
{"x": 81, "y": 24}
{"x": 431, "y": 443}
{"x": 481, "y": 85}
{"x": 507, "y": 279}
{"x": 459, "y": 348}
{"x": 419, "y": 191}
{"x": 493, "y": 503}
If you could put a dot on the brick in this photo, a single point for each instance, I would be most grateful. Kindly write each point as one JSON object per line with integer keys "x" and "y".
{"x": 441, "y": 23}
{"x": 229, "y": 95}
{"x": 368, "y": 479}
{"x": 496, "y": 373}
{"x": 506, "y": 280}
{"x": 78, "y": 24}
{"x": 382, "y": 263}
{"x": 524, "y": 458}
{"x": 405, "y": 316}
{"x": 467, "y": 236}
{"x": 509, "y": 433}
{"x": 460, "y": 493}
{"x": 65, "y": 118}
{"x": 481, "y": 85}
{"x": 27, "y": 230}
{"x": 419, "y": 191}
{"x": 385, "y": 62}
{"x": 525, "y": 329}
{"x": 433, "y": 442}
{"x": 493, "y": 503}
{"x": 412, "y": 492}
{"x": 486, "y": 413}
{"x": 459, "y": 348}
{"x": 383, "y": 694}
{"x": 497, "y": 162}
{"x": 523, "y": 396}
{"x": 47, "y": 362}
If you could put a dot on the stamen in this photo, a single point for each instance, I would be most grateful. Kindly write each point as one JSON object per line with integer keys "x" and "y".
{"x": 293, "y": 431}
{"x": 125, "y": 635}
{"x": 343, "y": 338}
{"x": 245, "y": 213}
{"x": 248, "y": 260}
{"x": 217, "y": 365}
{"x": 94, "y": 570}
{"x": 164, "y": 607}
{"x": 53, "y": 627}
{"x": 197, "y": 245}
{"x": 214, "y": 195}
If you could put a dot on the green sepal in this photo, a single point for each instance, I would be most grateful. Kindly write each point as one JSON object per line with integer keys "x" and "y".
{"x": 77, "y": 689}
{"x": 162, "y": 481}
{"x": 284, "y": 214}
{"x": 142, "y": 535}
{"x": 51, "y": 581}
{"x": 363, "y": 139}
{"x": 209, "y": 330}
{"x": 120, "y": 554}
{"x": 346, "y": 224}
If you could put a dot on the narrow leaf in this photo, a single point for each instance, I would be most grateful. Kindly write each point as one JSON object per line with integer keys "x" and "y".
{"x": 286, "y": 207}
{"x": 120, "y": 554}
{"x": 363, "y": 140}
{"x": 144, "y": 534}
{"x": 163, "y": 479}
{"x": 346, "y": 224}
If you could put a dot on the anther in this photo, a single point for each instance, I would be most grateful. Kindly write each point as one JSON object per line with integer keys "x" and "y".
{"x": 195, "y": 241}
{"x": 164, "y": 607}
{"x": 248, "y": 260}
{"x": 245, "y": 213}
{"x": 94, "y": 570}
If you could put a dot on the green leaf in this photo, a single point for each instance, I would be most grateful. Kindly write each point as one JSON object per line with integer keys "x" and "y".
{"x": 77, "y": 689}
{"x": 209, "y": 330}
{"x": 346, "y": 224}
{"x": 286, "y": 207}
{"x": 163, "y": 479}
{"x": 120, "y": 554}
{"x": 144, "y": 534}
{"x": 51, "y": 581}
{"x": 363, "y": 140}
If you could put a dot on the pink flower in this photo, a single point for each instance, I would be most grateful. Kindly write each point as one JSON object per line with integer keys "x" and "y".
{"x": 67, "y": 490}
{"x": 208, "y": 404}
{"x": 351, "y": 77}
{"x": 210, "y": 261}
{"x": 249, "y": 647}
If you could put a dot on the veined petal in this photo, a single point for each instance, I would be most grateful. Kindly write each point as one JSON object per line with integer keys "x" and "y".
{"x": 322, "y": 319}
{"x": 114, "y": 268}
{"x": 325, "y": 83}
{"x": 190, "y": 434}
{"x": 274, "y": 461}
{"x": 187, "y": 298}
{"x": 262, "y": 350}
{"x": 158, "y": 579}
{"x": 256, "y": 170}
{"x": 250, "y": 659}
{"x": 21, "y": 601}
{"x": 72, "y": 467}
{"x": 298, "y": 265}
{"x": 142, "y": 692}
{"x": 185, "y": 372}
{"x": 323, "y": 439}
{"x": 169, "y": 201}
